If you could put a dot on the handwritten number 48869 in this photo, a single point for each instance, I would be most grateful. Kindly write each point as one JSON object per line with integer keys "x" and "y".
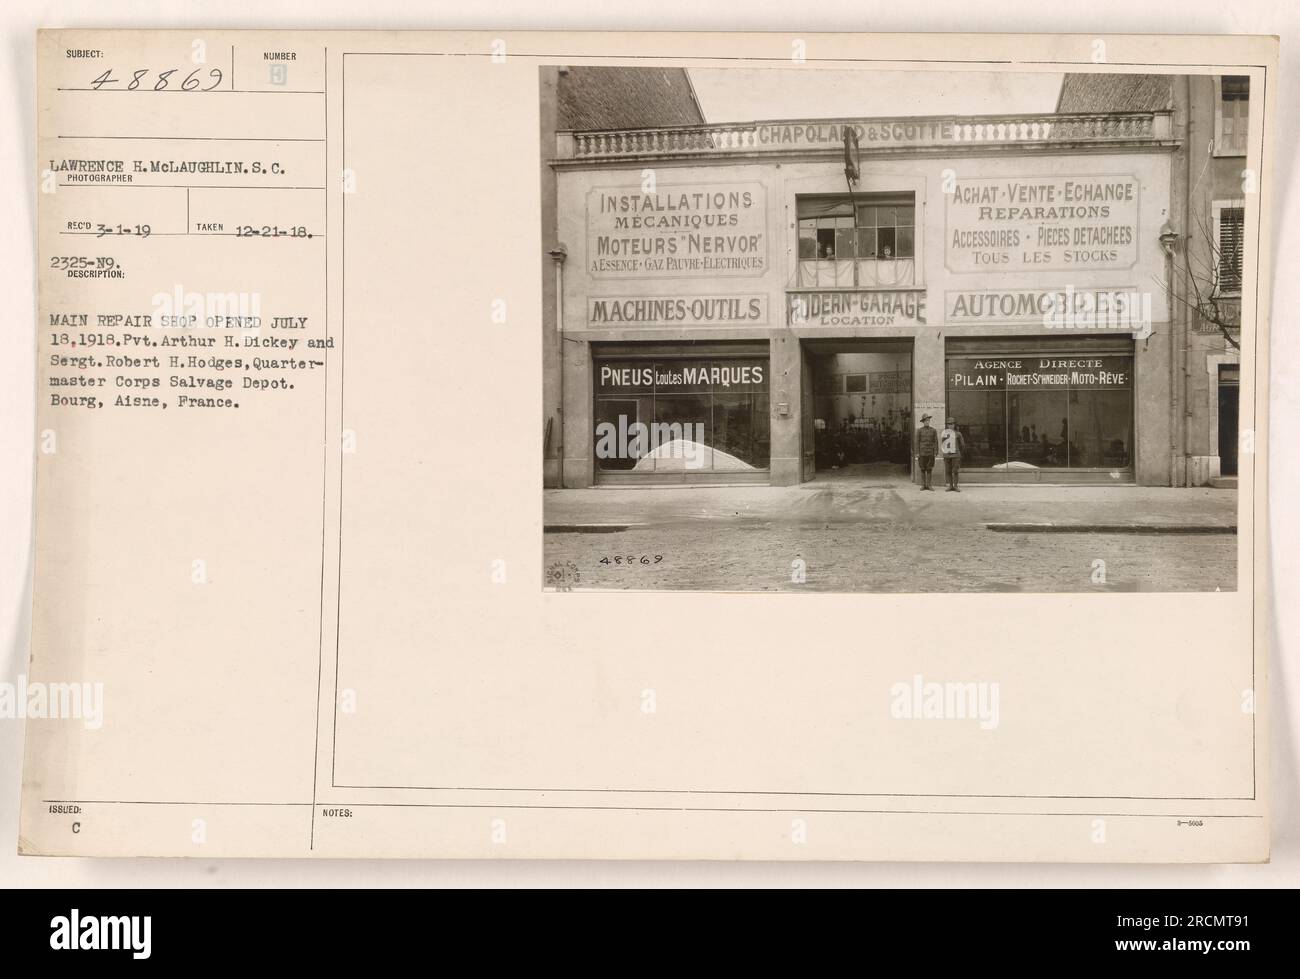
{"x": 633, "y": 559}
{"x": 193, "y": 82}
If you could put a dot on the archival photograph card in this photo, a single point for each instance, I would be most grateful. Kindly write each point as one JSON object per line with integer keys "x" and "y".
{"x": 651, "y": 446}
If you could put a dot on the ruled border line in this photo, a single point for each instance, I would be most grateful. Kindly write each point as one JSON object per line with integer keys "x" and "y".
{"x": 775, "y": 62}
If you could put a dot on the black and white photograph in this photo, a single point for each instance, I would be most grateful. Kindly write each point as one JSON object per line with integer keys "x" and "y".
{"x": 893, "y": 331}
{"x": 899, "y": 515}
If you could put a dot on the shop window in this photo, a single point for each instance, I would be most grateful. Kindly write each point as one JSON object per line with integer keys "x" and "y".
{"x": 618, "y": 415}
{"x": 682, "y": 415}
{"x": 1229, "y": 242}
{"x": 1038, "y": 427}
{"x": 1044, "y": 411}
{"x": 1232, "y": 115}
{"x": 1101, "y": 430}
{"x": 982, "y": 418}
{"x": 868, "y": 241}
{"x": 740, "y": 431}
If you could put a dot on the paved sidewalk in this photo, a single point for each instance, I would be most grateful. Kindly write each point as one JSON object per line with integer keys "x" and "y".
{"x": 885, "y": 534}
{"x": 892, "y": 500}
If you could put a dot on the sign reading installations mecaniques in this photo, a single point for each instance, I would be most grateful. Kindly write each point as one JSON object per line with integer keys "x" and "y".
{"x": 677, "y": 231}
{"x": 1016, "y": 224}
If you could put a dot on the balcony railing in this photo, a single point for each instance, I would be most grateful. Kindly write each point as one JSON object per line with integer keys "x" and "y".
{"x": 894, "y": 134}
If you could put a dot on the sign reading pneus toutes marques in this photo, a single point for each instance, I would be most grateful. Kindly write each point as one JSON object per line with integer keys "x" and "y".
{"x": 1019, "y": 224}
{"x": 677, "y": 231}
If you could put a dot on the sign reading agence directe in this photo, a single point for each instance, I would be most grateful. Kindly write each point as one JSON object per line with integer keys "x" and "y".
{"x": 1039, "y": 373}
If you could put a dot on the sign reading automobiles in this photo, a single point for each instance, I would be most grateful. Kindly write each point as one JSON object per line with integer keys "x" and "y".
{"x": 682, "y": 231}
{"x": 1020, "y": 224}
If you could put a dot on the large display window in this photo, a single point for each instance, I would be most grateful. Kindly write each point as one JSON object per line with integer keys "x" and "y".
{"x": 1044, "y": 410}
{"x": 681, "y": 415}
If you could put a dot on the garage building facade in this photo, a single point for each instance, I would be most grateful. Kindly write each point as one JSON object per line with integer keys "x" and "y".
{"x": 734, "y": 303}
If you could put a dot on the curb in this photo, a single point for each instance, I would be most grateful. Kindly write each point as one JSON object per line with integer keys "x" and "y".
{"x": 588, "y": 528}
{"x": 1111, "y": 528}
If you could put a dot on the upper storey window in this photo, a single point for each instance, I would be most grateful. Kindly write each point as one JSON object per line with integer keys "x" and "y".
{"x": 867, "y": 241}
{"x": 1232, "y": 115}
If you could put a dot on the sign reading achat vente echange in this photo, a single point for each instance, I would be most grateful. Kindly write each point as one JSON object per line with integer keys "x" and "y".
{"x": 677, "y": 231}
{"x": 1012, "y": 224}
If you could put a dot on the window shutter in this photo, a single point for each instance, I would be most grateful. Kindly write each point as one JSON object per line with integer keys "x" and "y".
{"x": 1231, "y": 244}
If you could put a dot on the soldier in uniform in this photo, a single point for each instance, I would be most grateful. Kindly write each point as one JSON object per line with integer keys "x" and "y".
{"x": 927, "y": 447}
{"x": 951, "y": 444}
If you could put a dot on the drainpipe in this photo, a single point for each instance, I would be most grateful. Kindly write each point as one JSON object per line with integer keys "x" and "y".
{"x": 558, "y": 254}
{"x": 1168, "y": 240}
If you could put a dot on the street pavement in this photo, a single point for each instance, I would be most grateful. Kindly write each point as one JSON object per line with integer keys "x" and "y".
{"x": 883, "y": 534}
